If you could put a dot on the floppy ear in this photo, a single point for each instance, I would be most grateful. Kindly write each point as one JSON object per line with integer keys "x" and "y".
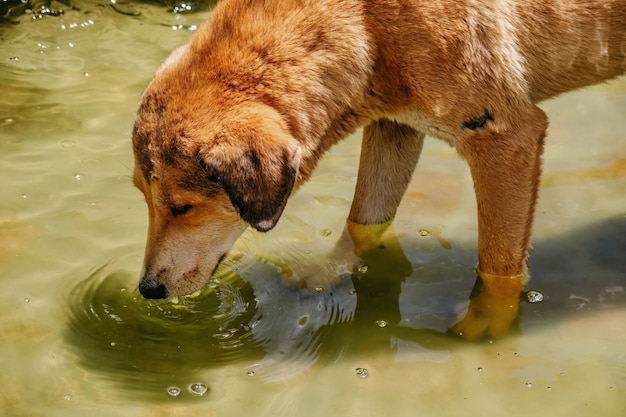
{"x": 256, "y": 166}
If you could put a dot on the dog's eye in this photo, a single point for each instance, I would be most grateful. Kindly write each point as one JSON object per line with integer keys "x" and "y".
{"x": 180, "y": 210}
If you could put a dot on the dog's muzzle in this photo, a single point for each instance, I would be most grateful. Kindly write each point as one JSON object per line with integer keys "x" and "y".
{"x": 152, "y": 289}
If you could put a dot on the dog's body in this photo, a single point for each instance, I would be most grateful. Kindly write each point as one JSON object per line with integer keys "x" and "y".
{"x": 237, "y": 118}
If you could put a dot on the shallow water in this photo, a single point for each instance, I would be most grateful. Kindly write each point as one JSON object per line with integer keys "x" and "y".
{"x": 76, "y": 338}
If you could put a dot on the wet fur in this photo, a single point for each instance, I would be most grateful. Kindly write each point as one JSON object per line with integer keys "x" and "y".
{"x": 237, "y": 119}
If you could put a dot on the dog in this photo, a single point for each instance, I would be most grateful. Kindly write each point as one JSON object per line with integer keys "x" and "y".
{"x": 236, "y": 120}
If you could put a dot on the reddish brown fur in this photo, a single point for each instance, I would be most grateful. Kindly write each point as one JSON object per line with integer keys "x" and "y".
{"x": 235, "y": 120}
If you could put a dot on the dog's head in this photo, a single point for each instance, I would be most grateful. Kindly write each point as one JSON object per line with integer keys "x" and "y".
{"x": 207, "y": 168}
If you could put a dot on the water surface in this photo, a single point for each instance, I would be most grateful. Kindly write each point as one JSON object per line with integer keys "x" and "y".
{"x": 76, "y": 338}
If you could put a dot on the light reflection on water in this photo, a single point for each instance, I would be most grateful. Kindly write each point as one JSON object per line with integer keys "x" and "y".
{"x": 75, "y": 336}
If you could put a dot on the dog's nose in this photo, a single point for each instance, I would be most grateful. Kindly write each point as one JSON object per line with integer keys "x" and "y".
{"x": 152, "y": 289}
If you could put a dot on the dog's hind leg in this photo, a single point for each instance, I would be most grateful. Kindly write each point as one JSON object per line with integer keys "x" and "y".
{"x": 389, "y": 154}
{"x": 505, "y": 167}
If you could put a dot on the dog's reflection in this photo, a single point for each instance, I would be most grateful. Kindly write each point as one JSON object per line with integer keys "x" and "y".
{"x": 494, "y": 301}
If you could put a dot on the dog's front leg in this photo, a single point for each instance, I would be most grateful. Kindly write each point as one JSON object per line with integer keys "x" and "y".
{"x": 505, "y": 166}
{"x": 389, "y": 153}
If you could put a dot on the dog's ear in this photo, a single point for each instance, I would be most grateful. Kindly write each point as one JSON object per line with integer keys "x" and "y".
{"x": 257, "y": 165}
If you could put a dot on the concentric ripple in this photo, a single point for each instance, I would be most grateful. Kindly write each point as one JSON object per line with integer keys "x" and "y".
{"x": 149, "y": 345}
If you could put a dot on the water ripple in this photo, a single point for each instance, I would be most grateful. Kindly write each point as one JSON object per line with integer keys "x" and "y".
{"x": 150, "y": 345}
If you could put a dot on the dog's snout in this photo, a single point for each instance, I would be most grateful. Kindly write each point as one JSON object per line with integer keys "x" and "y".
{"x": 152, "y": 289}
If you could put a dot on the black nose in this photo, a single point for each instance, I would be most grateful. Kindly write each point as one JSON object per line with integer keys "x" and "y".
{"x": 152, "y": 289}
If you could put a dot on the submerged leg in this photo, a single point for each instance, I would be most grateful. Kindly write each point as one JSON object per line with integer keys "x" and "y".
{"x": 505, "y": 167}
{"x": 389, "y": 154}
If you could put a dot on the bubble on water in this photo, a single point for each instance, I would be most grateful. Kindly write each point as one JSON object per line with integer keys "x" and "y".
{"x": 78, "y": 177}
{"x": 480, "y": 369}
{"x": 548, "y": 387}
{"x": 173, "y": 391}
{"x": 67, "y": 397}
{"x": 319, "y": 290}
{"x": 423, "y": 232}
{"x": 326, "y": 232}
{"x": 27, "y": 299}
{"x": 381, "y": 323}
{"x": 14, "y": 58}
{"x": 113, "y": 344}
{"x": 516, "y": 354}
{"x": 251, "y": 372}
{"x": 528, "y": 384}
{"x": 534, "y": 296}
{"x": 86, "y": 74}
{"x": 362, "y": 372}
{"x": 24, "y": 196}
{"x": 8, "y": 121}
{"x": 182, "y": 8}
{"x": 198, "y": 388}
{"x": 184, "y": 27}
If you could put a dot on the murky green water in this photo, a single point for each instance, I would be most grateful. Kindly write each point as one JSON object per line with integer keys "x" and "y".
{"x": 77, "y": 339}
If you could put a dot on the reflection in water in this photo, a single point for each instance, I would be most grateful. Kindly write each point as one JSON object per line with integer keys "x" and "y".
{"x": 149, "y": 346}
{"x": 270, "y": 330}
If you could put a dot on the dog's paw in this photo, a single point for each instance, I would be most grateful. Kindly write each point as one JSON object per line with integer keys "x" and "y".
{"x": 493, "y": 308}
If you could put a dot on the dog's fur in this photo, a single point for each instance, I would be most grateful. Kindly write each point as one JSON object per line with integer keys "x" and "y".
{"x": 239, "y": 117}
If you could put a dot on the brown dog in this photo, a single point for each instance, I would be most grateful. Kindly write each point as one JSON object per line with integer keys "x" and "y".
{"x": 239, "y": 117}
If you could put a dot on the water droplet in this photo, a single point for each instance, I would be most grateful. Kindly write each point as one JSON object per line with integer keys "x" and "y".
{"x": 326, "y": 232}
{"x": 534, "y": 296}
{"x": 423, "y": 232}
{"x": 67, "y": 397}
{"x": 362, "y": 372}
{"x": 198, "y": 388}
{"x": 381, "y": 323}
{"x": 173, "y": 391}
{"x": 529, "y": 384}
